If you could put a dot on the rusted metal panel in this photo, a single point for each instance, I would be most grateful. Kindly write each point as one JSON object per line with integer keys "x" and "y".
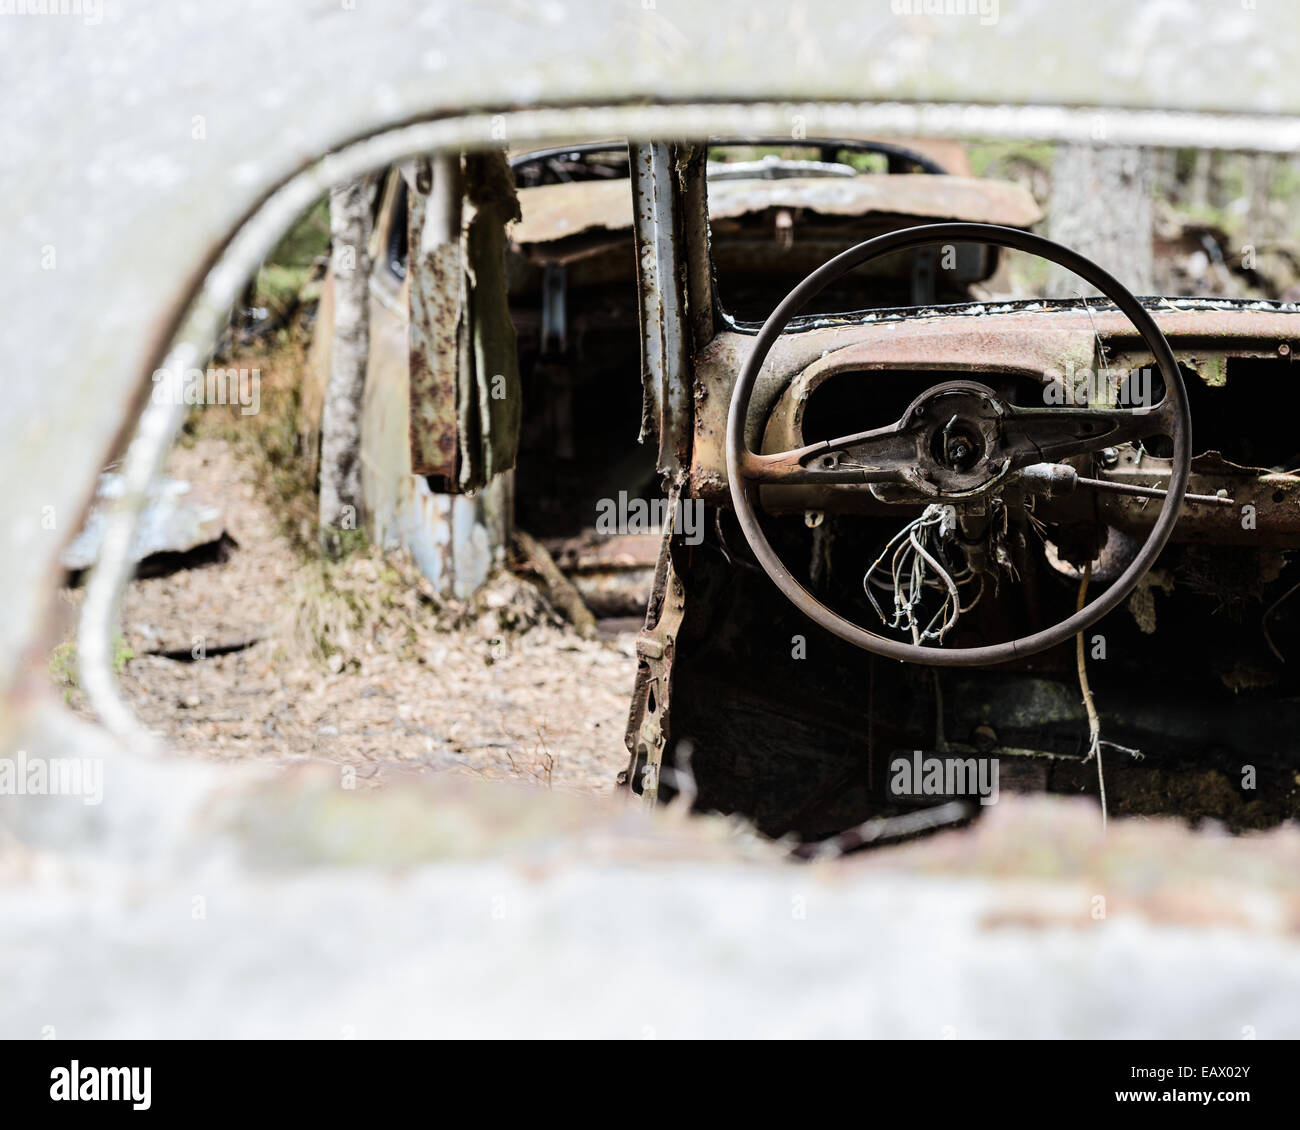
{"x": 490, "y": 402}
{"x": 463, "y": 430}
{"x": 455, "y": 540}
{"x": 692, "y": 166}
{"x": 660, "y": 282}
{"x": 554, "y": 212}
{"x": 557, "y": 212}
{"x": 436, "y": 303}
{"x": 177, "y": 519}
{"x": 648, "y": 729}
{"x": 931, "y": 197}
{"x": 1273, "y": 500}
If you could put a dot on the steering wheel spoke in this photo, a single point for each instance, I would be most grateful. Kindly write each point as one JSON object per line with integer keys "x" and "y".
{"x": 1048, "y": 435}
{"x": 881, "y": 455}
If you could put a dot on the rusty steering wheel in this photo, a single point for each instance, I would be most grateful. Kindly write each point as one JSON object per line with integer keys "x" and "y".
{"x": 999, "y": 441}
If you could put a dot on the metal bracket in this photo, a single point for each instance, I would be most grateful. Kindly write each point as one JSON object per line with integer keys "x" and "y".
{"x": 648, "y": 729}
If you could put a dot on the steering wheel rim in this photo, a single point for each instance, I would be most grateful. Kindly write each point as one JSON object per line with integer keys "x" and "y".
{"x": 743, "y": 488}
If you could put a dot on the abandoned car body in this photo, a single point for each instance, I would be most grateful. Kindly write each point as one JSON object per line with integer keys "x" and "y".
{"x": 945, "y": 483}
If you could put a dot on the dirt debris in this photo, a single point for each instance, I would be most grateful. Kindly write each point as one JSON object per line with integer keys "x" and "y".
{"x": 358, "y": 663}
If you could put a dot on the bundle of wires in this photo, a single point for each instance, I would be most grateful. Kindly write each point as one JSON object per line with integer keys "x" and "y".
{"x": 914, "y": 563}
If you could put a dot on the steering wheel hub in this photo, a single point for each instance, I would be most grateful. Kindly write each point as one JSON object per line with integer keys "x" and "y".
{"x": 957, "y": 427}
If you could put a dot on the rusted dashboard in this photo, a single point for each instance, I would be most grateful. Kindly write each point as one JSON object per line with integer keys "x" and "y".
{"x": 829, "y": 376}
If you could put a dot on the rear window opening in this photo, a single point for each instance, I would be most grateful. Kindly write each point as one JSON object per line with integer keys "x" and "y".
{"x": 752, "y": 281}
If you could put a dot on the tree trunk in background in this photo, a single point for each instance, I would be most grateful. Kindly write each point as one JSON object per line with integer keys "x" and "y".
{"x": 1164, "y": 175}
{"x": 1101, "y": 208}
{"x": 1259, "y": 213}
{"x": 1198, "y": 185}
{"x": 340, "y": 456}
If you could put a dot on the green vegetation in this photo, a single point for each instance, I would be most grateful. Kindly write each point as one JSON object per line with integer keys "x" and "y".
{"x": 289, "y": 267}
{"x": 1010, "y": 160}
{"x": 336, "y": 607}
{"x": 867, "y": 162}
{"x": 62, "y": 663}
{"x": 271, "y": 439}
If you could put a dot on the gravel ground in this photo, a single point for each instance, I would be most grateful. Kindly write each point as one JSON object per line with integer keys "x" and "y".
{"x": 375, "y": 675}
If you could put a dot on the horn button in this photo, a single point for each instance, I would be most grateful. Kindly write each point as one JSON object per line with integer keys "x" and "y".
{"x": 958, "y": 438}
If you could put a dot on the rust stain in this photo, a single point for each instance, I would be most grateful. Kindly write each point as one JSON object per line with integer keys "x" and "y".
{"x": 435, "y": 316}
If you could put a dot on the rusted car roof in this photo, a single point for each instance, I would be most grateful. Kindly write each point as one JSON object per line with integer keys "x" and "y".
{"x": 559, "y": 211}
